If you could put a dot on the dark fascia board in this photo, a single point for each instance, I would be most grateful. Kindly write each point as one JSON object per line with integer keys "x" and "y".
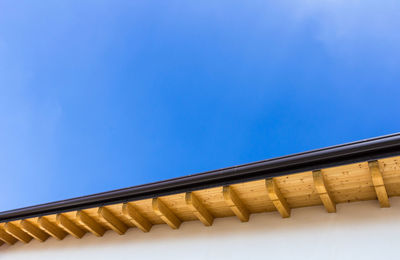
{"x": 360, "y": 151}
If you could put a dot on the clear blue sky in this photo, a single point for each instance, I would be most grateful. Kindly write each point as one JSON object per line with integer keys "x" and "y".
{"x": 99, "y": 95}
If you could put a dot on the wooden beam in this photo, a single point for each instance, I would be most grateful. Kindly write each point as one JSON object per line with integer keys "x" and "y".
{"x": 90, "y": 224}
{"x": 16, "y": 232}
{"x": 33, "y": 231}
{"x": 69, "y": 226}
{"x": 51, "y": 229}
{"x": 115, "y": 223}
{"x": 379, "y": 184}
{"x": 323, "y": 192}
{"x": 7, "y": 238}
{"x": 198, "y": 209}
{"x": 165, "y": 213}
{"x": 136, "y": 218}
{"x": 235, "y": 204}
{"x": 278, "y": 200}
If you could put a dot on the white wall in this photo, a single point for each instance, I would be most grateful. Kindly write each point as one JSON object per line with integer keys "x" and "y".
{"x": 358, "y": 230}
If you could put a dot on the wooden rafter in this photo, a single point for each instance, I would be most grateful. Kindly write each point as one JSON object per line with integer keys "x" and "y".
{"x": 7, "y": 238}
{"x": 379, "y": 184}
{"x": 136, "y": 218}
{"x": 235, "y": 204}
{"x": 198, "y": 209}
{"x": 69, "y": 226}
{"x": 90, "y": 224}
{"x": 51, "y": 229}
{"x": 16, "y": 232}
{"x": 115, "y": 223}
{"x": 165, "y": 213}
{"x": 323, "y": 192}
{"x": 352, "y": 182}
{"x": 277, "y": 198}
{"x": 33, "y": 230}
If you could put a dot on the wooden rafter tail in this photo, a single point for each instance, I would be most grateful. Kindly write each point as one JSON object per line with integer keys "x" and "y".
{"x": 198, "y": 209}
{"x": 90, "y": 224}
{"x": 277, "y": 198}
{"x": 7, "y": 238}
{"x": 165, "y": 213}
{"x": 18, "y": 233}
{"x": 136, "y": 218}
{"x": 323, "y": 192}
{"x": 235, "y": 204}
{"x": 33, "y": 231}
{"x": 379, "y": 184}
{"x": 51, "y": 229}
{"x": 69, "y": 226}
{"x": 114, "y": 223}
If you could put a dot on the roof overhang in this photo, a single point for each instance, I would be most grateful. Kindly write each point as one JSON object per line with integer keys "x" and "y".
{"x": 231, "y": 183}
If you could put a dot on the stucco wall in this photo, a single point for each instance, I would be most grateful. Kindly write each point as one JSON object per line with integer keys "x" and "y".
{"x": 358, "y": 230}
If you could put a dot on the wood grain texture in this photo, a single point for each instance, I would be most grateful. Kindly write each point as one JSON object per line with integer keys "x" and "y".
{"x": 379, "y": 185}
{"x": 198, "y": 209}
{"x": 340, "y": 184}
{"x": 33, "y": 231}
{"x": 276, "y": 196}
{"x": 51, "y": 229}
{"x": 7, "y": 238}
{"x": 235, "y": 204}
{"x": 113, "y": 222}
{"x": 18, "y": 233}
{"x": 165, "y": 213}
{"x": 136, "y": 218}
{"x": 322, "y": 190}
{"x": 69, "y": 226}
{"x": 90, "y": 224}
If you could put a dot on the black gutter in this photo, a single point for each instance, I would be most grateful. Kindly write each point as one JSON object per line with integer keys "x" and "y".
{"x": 360, "y": 151}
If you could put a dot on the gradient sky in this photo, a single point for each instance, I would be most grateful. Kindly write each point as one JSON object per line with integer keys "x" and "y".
{"x": 98, "y": 95}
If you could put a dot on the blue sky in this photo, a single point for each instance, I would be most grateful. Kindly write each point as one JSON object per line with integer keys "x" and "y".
{"x": 99, "y": 95}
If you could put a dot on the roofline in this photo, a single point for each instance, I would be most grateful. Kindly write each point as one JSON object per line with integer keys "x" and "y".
{"x": 359, "y": 151}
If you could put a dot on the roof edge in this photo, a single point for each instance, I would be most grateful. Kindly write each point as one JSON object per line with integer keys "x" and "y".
{"x": 359, "y": 151}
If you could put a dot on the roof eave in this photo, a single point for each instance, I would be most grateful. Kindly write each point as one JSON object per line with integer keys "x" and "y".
{"x": 360, "y": 151}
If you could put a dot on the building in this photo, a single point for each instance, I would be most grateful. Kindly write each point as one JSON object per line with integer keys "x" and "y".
{"x": 331, "y": 203}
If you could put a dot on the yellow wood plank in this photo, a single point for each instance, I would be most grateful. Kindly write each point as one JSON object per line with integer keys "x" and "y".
{"x": 198, "y": 209}
{"x": 252, "y": 194}
{"x": 69, "y": 226}
{"x": 235, "y": 204}
{"x": 33, "y": 230}
{"x": 145, "y": 208}
{"x": 323, "y": 192}
{"x": 16, "y": 232}
{"x": 277, "y": 198}
{"x": 136, "y": 218}
{"x": 379, "y": 184}
{"x": 7, "y": 238}
{"x": 90, "y": 224}
{"x": 115, "y": 224}
{"x": 51, "y": 229}
{"x": 176, "y": 203}
{"x": 347, "y": 183}
{"x": 390, "y": 168}
{"x": 165, "y": 213}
